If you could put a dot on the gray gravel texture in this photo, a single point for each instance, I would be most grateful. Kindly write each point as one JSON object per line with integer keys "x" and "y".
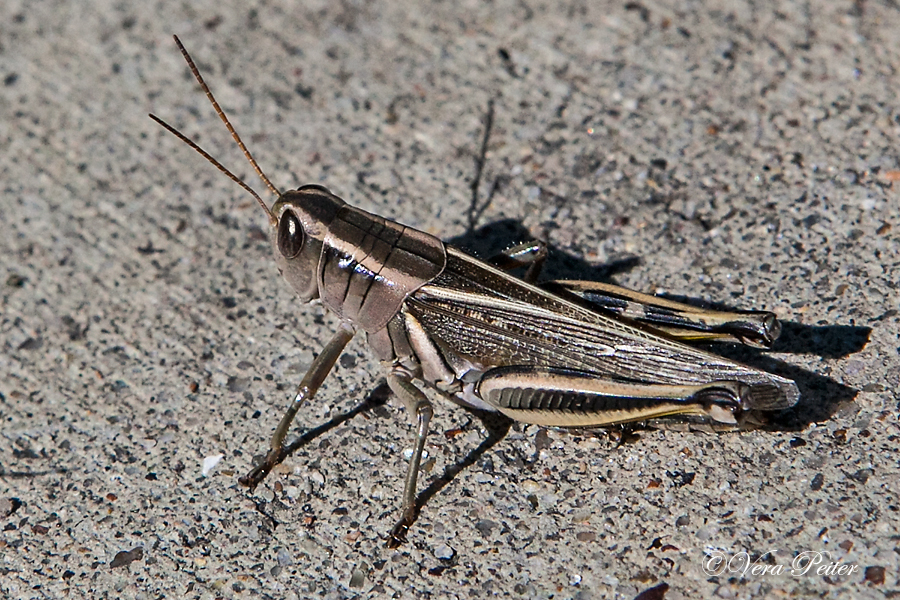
{"x": 738, "y": 153}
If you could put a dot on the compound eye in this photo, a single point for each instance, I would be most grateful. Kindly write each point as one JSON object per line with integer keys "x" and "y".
{"x": 290, "y": 235}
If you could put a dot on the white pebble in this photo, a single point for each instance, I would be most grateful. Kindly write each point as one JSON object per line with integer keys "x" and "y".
{"x": 444, "y": 552}
{"x": 210, "y": 462}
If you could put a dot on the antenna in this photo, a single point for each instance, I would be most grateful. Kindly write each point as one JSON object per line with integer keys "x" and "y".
{"x": 234, "y": 135}
{"x": 217, "y": 164}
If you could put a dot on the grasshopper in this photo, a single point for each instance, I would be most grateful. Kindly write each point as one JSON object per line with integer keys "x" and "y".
{"x": 566, "y": 354}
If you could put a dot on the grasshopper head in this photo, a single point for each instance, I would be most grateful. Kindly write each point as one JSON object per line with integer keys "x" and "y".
{"x": 302, "y": 217}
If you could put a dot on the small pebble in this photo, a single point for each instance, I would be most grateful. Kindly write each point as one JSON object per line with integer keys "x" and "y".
{"x": 284, "y": 558}
{"x": 210, "y": 462}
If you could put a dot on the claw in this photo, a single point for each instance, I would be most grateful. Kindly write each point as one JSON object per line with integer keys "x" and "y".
{"x": 397, "y": 536}
{"x": 256, "y": 476}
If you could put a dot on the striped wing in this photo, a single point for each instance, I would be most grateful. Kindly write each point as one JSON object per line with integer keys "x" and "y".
{"x": 496, "y": 320}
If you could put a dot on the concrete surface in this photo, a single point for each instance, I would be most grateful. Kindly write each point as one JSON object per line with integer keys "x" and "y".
{"x": 739, "y": 153}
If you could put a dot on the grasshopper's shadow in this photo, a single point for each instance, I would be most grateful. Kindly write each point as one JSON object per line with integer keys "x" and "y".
{"x": 377, "y": 397}
{"x": 821, "y": 397}
{"x": 496, "y": 425}
{"x": 493, "y": 238}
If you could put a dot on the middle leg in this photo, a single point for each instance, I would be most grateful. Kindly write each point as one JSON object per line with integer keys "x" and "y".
{"x": 421, "y": 410}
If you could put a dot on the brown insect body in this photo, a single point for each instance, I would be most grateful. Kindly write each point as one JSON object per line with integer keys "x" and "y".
{"x": 563, "y": 354}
